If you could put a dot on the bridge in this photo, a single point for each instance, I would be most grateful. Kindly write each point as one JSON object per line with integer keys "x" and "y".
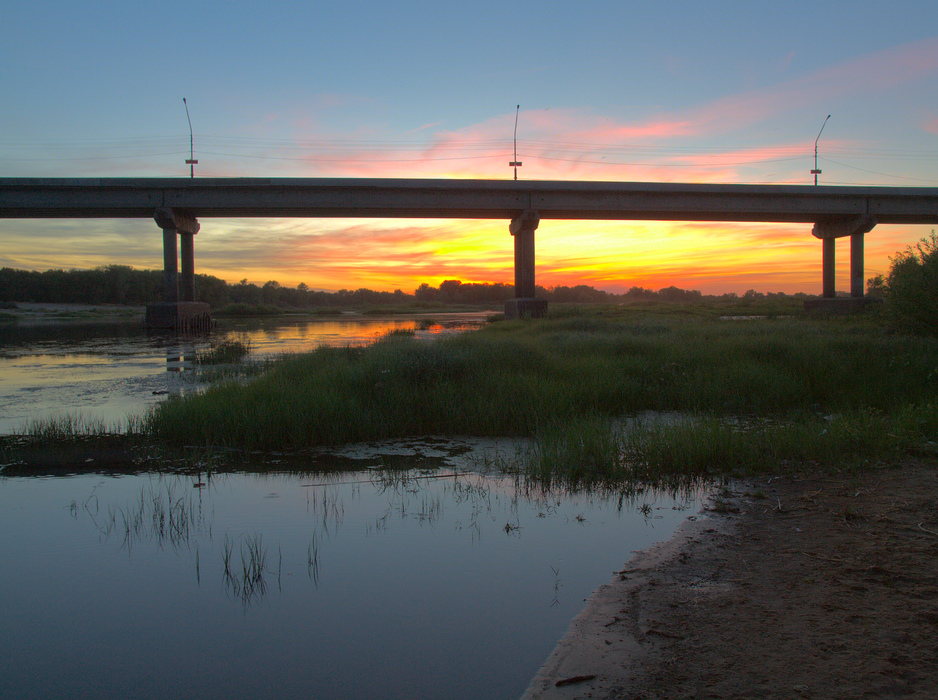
{"x": 177, "y": 204}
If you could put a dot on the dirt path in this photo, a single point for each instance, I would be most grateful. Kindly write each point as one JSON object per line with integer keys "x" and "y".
{"x": 822, "y": 586}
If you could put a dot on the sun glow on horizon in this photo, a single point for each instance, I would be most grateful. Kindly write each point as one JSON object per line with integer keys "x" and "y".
{"x": 385, "y": 255}
{"x": 711, "y": 257}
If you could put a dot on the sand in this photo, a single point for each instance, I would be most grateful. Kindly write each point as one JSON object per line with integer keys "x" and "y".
{"x": 808, "y": 586}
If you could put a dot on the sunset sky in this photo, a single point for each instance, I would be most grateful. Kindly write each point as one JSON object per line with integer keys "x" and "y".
{"x": 719, "y": 92}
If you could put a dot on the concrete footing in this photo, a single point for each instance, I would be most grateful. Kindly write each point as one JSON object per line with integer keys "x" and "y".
{"x": 525, "y": 308}
{"x": 841, "y": 305}
{"x": 180, "y": 316}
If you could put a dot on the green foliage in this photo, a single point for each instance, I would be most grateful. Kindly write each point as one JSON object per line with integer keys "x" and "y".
{"x": 827, "y": 390}
{"x": 876, "y": 286}
{"x": 225, "y": 352}
{"x": 912, "y": 288}
{"x": 608, "y": 395}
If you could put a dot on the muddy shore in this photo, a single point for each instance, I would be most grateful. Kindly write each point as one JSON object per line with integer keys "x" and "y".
{"x": 806, "y": 586}
{"x": 41, "y": 314}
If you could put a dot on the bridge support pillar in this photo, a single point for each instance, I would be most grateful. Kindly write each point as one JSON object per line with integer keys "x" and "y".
{"x": 828, "y": 230}
{"x": 524, "y": 304}
{"x": 857, "y": 283}
{"x": 170, "y": 271}
{"x": 187, "y": 260}
{"x": 179, "y": 311}
{"x": 828, "y": 268}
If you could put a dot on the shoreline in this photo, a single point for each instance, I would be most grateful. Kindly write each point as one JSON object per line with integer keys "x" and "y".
{"x": 603, "y": 642}
{"x": 819, "y": 585}
{"x": 32, "y": 314}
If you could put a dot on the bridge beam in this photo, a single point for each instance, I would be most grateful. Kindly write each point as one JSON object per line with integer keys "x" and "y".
{"x": 830, "y": 229}
{"x": 522, "y": 227}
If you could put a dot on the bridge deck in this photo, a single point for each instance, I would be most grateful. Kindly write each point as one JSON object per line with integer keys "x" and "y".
{"x": 22, "y": 198}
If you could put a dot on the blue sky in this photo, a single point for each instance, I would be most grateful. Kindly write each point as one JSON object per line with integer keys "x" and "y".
{"x": 702, "y": 92}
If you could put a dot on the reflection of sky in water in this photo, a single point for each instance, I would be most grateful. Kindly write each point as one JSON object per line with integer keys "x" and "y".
{"x": 110, "y": 372}
{"x": 418, "y": 588}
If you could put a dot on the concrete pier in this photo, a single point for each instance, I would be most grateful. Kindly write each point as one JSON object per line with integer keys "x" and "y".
{"x": 857, "y": 283}
{"x": 179, "y": 317}
{"x": 525, "y": 305}
{"x": 829, "y": 230}
{"x": 179, "y": 311}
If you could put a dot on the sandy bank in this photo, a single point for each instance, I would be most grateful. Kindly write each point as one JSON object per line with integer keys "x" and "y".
{"x": 814, "y": 586}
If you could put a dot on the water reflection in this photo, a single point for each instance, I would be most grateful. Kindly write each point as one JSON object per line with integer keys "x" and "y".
{"x": 375, "y": 583}
{"x": 110, "y": 371}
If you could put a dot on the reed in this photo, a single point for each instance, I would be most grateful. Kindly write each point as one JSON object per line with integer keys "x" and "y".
{"x": 247, "y": 583}
{"x": 755, "y": 395}
{"x": 224, "y": 352}
{"x": 515, "y": 378}
{"x": 67, "y": 427}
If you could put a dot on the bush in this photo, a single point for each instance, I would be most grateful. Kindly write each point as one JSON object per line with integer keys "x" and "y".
{"x": 912, "y": 288}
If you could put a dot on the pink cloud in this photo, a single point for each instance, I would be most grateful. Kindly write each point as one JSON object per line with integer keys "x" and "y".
{"x": 863, "y": 74}
{"x": 573, "y": 144}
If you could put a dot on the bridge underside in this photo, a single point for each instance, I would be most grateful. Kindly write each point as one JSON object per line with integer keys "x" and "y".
{"x": 177, "y": 203}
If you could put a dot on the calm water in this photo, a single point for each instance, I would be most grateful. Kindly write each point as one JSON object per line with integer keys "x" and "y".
{"x": 431, "y": 585}
{"x": 108, "y": 372}
{"x": 432, "y": 581}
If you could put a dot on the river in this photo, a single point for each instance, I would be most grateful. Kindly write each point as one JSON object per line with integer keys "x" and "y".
{"x": 401, "y": 569}
{"x": 109, "y": 371}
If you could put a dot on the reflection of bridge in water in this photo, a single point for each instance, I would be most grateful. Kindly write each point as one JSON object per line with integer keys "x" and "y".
{"x": 176, "y": 204}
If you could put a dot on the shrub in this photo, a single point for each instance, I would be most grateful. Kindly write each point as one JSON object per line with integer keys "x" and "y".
{"x": 912, "y": 288}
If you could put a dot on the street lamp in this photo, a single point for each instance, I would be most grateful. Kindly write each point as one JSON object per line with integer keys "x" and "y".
{"x": 516, "y": 163}
{"x": 817, "y": 172}
{"x": 192, "y": 162}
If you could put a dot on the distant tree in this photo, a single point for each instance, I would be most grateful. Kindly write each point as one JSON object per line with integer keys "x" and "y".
{"x": 876, "y": 286}
{"x": 426, "y": 293}
{"x": 211, "y": 290}
{"x": 245, "y": 293}
{"x": 677, "y": 294}
{"x": 450, "y": 291}
{"x": 640, "y": 293}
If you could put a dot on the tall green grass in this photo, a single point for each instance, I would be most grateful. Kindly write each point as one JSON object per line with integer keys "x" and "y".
{"x": 830, "y": 389}
{"x": 223, "y": 352}
{"x": 67, "y": 427}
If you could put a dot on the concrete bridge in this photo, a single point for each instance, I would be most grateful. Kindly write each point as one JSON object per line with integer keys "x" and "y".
{"x": 177, "y": 204}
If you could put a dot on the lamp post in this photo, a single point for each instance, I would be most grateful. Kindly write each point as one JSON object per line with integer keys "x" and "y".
{"x": 516, "y": 163}
{"x": 817, "y": 172}
{"x": 192, "y": 161}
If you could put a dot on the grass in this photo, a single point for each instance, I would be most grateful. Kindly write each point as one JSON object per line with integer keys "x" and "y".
{"x": 757, "y": 396}
{"x": 224, "y": 352}
{"x": 248, "y": 582}
{"x": 747, "y": 396}
{"x": 65, "y": 429}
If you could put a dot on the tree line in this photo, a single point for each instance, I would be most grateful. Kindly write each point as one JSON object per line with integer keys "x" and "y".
{"x": 120, "y": 284}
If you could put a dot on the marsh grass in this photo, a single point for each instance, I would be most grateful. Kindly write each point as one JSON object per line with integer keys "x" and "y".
{"x": 160, "y": 514}
{"x": 759, "y": 395}
{"x": 248, "y": 582}
{"x": 68, "y": 427}
{"x": 224, "y": 352}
